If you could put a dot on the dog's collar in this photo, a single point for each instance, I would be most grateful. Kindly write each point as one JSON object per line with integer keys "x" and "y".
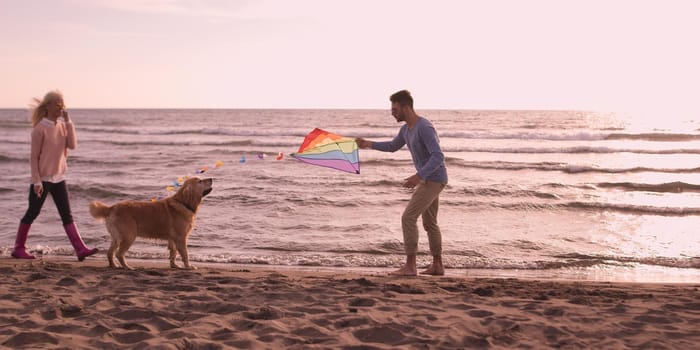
{"x": 186, "y": 206}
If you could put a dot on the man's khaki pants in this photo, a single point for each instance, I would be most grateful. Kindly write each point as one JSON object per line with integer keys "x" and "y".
{"x": 425, "y": 203}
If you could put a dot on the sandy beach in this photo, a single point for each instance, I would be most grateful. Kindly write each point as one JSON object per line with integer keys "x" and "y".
{"x": 59, "y": 303}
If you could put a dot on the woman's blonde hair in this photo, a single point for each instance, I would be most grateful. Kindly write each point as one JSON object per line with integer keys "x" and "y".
{"x": 39, "y": 110}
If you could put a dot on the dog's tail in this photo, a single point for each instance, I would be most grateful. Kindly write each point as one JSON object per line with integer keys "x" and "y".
{"x": 98, "y": 210}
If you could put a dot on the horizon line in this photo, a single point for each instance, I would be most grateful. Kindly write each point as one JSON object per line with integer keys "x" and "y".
{"x": 322, "y": 108}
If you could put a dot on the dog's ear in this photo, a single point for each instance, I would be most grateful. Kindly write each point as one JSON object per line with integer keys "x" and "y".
{"x": 189, "y": 194}
{"x": 192, "y": 195}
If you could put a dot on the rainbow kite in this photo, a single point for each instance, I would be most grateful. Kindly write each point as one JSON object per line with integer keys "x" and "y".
{"x": 326, "y": 149}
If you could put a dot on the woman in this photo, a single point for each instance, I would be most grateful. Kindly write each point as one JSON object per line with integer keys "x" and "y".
{"x": 51, "y": 140}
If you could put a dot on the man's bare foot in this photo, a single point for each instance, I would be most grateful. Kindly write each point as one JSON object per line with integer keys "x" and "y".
{"x": 434, "y": 270}
{"x": 405, "y": 271}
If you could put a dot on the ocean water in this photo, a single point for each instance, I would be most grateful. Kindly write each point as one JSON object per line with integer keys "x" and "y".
{"x": 564, "y": 192}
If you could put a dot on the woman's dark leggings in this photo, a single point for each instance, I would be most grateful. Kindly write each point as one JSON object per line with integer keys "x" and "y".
{"x": 59, "y": 192}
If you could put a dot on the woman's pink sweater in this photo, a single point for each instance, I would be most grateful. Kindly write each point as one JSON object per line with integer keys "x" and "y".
{"x": 50, "y": 144}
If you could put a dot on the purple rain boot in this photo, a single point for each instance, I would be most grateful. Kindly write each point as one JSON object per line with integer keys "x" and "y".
{"x": 80, "y": 249}
{"x": 20, "y": 251}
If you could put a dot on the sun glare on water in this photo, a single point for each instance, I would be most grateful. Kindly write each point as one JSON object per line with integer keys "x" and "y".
{"x": 662, "y": 119}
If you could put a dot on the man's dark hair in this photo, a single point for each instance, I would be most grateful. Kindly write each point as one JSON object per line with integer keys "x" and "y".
{"x": 403, "y": 98}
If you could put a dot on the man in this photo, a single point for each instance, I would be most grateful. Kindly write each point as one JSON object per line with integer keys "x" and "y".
{"x": 429, "y": 180}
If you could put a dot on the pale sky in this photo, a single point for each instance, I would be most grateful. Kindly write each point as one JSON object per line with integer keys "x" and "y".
{"x": 491, "y": 54}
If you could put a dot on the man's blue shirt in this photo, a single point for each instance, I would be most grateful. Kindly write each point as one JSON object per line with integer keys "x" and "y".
{"x": 424, "y": 145}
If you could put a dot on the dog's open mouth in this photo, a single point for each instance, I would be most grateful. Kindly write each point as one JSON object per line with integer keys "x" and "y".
{"x": 206, "y": 192}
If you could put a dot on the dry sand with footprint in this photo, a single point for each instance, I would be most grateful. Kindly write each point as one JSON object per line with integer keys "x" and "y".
{"x": 63, "y": 304}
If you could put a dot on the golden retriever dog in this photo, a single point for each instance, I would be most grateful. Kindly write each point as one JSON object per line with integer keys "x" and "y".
{"x": 170, "y": 219}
